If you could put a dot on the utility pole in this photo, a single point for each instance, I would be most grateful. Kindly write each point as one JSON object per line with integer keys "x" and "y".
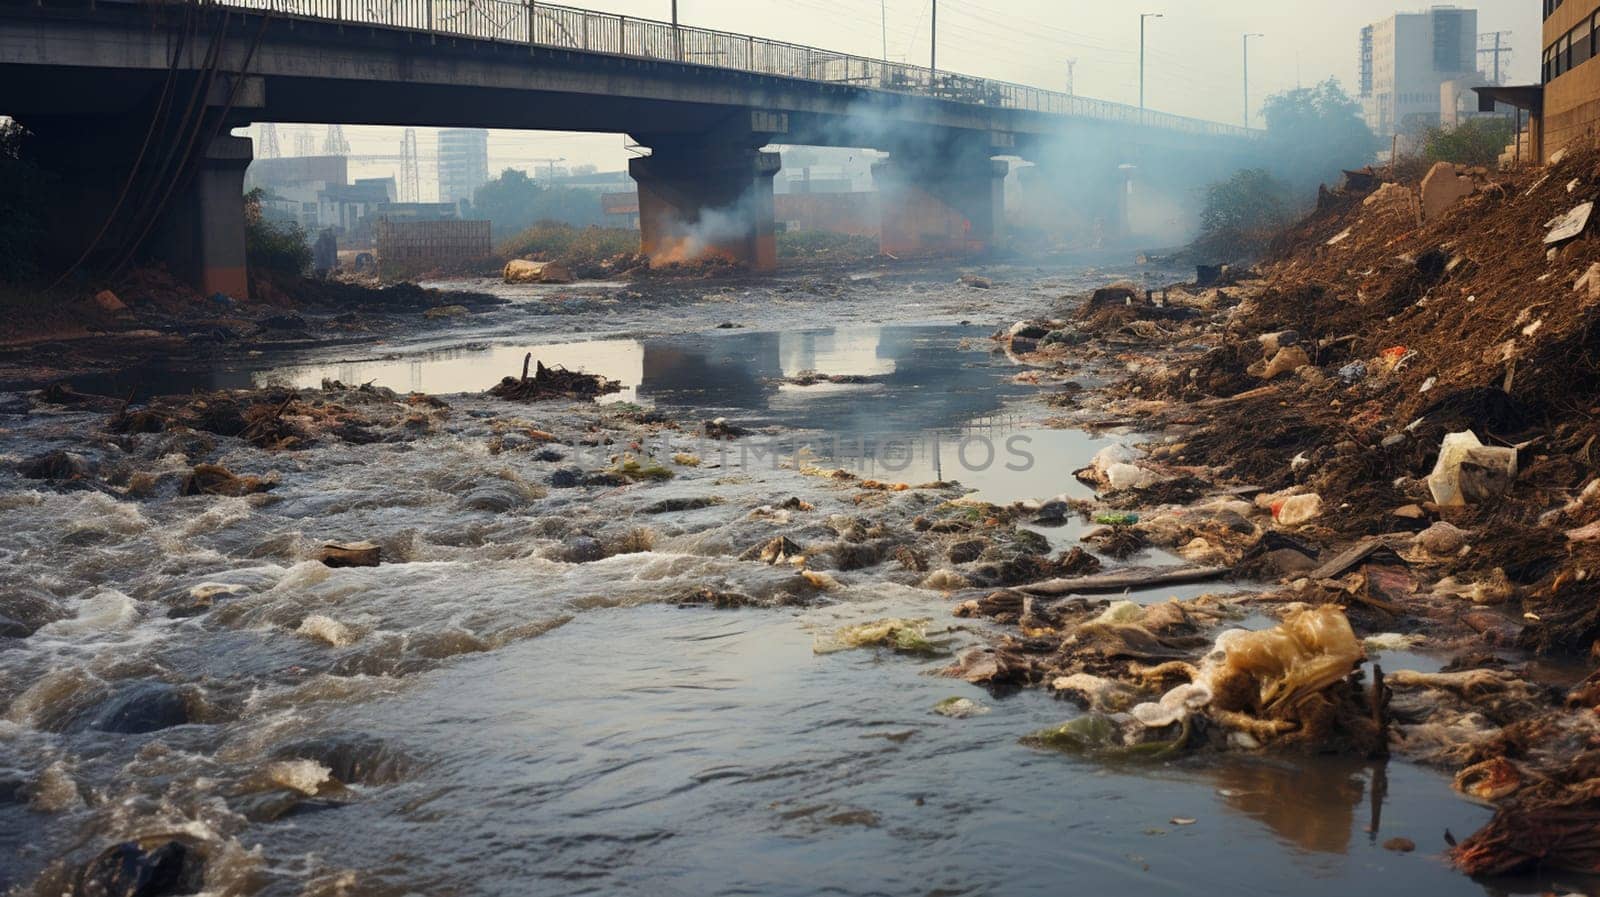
{"x": 677, "y": 45}
{"x": 1500, "y": 48}
{"x": 1247, "y": 78}
{"x": 1142, "y": 17}
{"x": 1072, "y": 81}
{"x": 334, "y": 143}
{"x": 883, "y": 11}
{"x": 269, "y": 142}
{"x": 410, "y": 186}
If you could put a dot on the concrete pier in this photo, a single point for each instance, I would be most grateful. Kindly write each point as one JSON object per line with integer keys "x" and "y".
{"x": 941, "y": 202}
{"x": 701, "y": 199}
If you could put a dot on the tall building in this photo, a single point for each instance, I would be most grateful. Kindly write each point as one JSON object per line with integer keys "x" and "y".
{"x": 463, "y": 163}
{"x": 1408, "y": 58}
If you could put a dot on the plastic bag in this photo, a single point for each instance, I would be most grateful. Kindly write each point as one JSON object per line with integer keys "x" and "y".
{"x": 1491, "y": 472}
{"x": 1310, "y": 651}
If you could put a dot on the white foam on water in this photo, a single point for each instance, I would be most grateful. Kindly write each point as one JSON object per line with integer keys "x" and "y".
{"x": 327, "y": 629}
{"x": 107, "y": 611}
{"x": 304, "y": 776}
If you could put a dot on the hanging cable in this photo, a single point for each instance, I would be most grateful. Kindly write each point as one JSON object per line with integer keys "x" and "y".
{"x": 144, "y": 147}
{"x": 186, "y": 171}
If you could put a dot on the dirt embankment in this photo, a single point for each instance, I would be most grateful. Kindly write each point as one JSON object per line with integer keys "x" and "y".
{"x": 1391, "y": 417}
{"x": 149, "y": 302}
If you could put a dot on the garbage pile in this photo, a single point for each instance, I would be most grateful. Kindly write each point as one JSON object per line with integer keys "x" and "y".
{"x": 1393, "y": 422}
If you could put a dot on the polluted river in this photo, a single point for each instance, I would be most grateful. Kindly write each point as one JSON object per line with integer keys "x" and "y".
{"x": 589, "y": 661}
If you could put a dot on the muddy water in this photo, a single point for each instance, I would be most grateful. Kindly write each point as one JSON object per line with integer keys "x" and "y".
{"x": 510, "y": 718}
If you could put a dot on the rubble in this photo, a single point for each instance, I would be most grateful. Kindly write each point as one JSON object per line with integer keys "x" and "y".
{"x": 1404, "y": 401}
{"x": 523, "y": 271}
{"x": 350, "y": 554}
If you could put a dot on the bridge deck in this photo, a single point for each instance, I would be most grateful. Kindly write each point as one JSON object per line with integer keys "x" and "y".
{"x": 544, "y": 25}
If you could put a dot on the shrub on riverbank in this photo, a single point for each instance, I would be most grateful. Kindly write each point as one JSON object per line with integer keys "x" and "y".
{"x": 273, "y": 249}
{"x": 1242, "y": 215}
{"x": 581, "y": 249}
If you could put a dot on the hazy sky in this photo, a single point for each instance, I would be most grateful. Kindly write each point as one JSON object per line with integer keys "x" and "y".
{"x": 1193, "y": 65}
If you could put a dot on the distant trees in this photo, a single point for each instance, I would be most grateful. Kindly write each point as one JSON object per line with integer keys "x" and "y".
{"x": 1314, "y": 133}
{"x": 1242, "y": 214}
{"x": 1476, "y": 141}
{"x": 513, "y": 202}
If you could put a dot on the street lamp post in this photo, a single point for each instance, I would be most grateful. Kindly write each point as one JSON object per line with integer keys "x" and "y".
{"x": 933, "y": 40}
{"x": 1247, "y": 77}
{"x": 883, "y": 20}
{"x": 1142, "y": 17}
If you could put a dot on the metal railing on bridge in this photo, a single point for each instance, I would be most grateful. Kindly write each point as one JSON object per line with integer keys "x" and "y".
{"x": 524, "y": 22}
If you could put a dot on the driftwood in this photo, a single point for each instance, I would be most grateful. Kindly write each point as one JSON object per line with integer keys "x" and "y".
{"x": 552, "y": 383}
{"x": 1125, "y": 580}
{"x": 1368, "y": 551}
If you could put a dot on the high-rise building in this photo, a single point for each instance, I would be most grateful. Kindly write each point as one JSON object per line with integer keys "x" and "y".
{"x": 1405, "y": 61}
{"x": 463, "y": 163}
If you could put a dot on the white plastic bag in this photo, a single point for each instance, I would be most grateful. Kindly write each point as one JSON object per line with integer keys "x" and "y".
{"x": 1458, "y": 448}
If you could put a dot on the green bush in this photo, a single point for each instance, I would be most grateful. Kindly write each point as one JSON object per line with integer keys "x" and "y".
{"x": 579, "y": 248}
{"x": 1476, "y": 141}
{"x": 271, "y": 248}
{"x": 1241, "y": 215}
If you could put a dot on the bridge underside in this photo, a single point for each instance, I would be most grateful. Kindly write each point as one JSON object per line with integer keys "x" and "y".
{"x": 96, "y": 79}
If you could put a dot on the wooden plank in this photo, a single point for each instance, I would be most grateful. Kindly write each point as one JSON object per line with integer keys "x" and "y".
{"x": 1125, "y": 580}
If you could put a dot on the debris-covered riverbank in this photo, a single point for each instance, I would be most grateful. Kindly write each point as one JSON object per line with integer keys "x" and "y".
{"x": 1392, "y": 424}
{"x": 248, "y": 621}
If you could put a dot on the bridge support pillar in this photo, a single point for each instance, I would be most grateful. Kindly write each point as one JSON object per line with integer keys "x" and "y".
{"x": 203, "y": 236}
{"x": 699, "y": 199}
{"x": 181, "y": 205}
{"x": 941, "y": 203}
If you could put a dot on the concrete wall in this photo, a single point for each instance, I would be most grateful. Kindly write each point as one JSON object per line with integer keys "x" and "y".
{"x": 855, "y": 214}
{"x": 413, "y": 246}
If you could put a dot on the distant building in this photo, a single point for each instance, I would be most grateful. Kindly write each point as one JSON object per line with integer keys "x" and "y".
{"x": 1571, "y": 110}
{"x": 343, "y": 207}
{"x": 620, "y": 209}
{"x": 463, "y": 163}
{"x": 314, "y": 192}
{"x": 1407, "y": 59}
{"x": 294, "y": 171}
{"x": 1565, "y": 109}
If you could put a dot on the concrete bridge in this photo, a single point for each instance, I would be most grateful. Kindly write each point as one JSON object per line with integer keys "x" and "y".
{"x": 132, "y": 104}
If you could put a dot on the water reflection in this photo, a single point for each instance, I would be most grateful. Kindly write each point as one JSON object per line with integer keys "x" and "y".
{"x": 931, "y": 407}
{"x": 1327, "y": 794}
